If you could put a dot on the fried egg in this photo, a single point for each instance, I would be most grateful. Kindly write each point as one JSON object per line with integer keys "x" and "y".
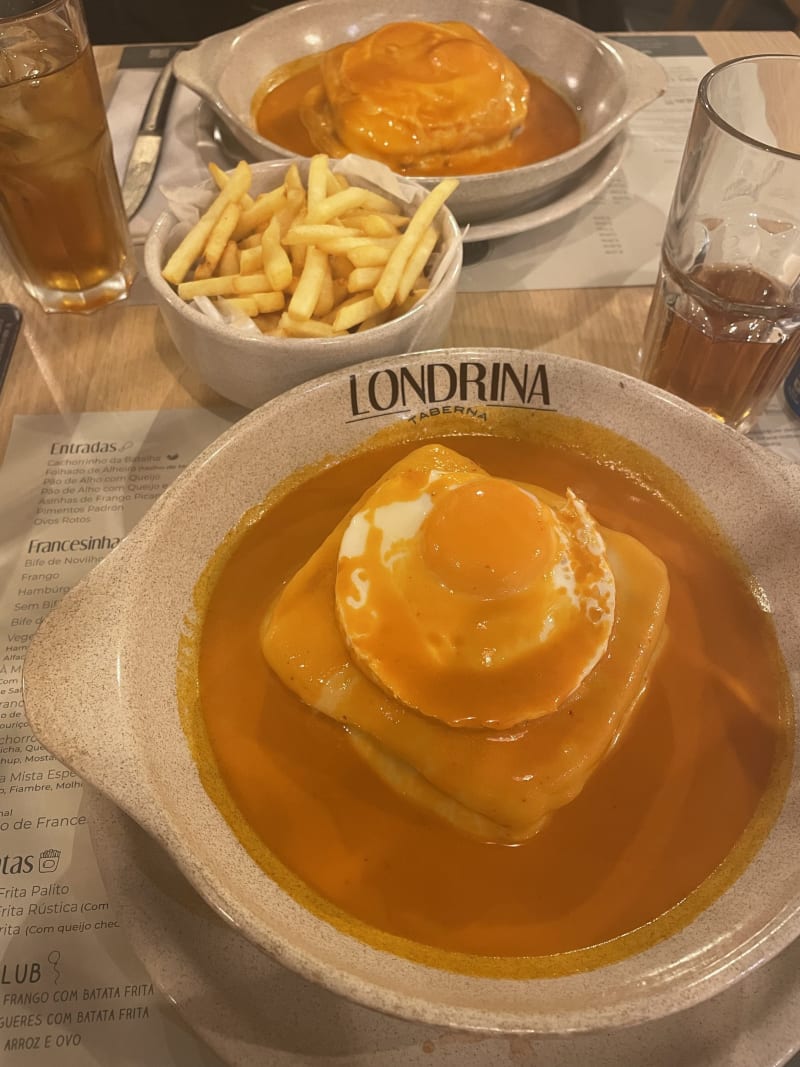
{"x": 497, "y": 784}
{"x": 468, "y": 598}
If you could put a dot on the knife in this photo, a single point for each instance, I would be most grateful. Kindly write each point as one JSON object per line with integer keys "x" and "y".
{"x": 147, "y": 147}
{"x": 10, "y": 322}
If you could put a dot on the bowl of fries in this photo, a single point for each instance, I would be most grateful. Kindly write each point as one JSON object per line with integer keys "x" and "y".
{"x": 277, "y": 272}
{"x": 606, "y": 82}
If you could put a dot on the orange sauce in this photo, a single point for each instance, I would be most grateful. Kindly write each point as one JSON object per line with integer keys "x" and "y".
{"x": 660, "y": 815}
{"x": 551, "y": 126}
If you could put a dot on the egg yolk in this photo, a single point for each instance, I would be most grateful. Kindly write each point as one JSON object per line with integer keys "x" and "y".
{"x": 471, "y": 599}
{"x": 488, "y": 538}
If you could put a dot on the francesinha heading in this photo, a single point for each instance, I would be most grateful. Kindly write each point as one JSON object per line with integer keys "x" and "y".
{"x": 421, "y": 97}
{"x": 483, "y": 642}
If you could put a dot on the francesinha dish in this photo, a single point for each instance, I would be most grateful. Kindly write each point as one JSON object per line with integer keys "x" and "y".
{"x": 422, "y": 97}
{"x": 465, "y": 648}
{"x": 482, "y": 700}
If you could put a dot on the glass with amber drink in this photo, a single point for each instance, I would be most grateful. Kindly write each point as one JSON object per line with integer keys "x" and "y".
{"x": 724, "y": 324}
{"x": 61, "y": 213}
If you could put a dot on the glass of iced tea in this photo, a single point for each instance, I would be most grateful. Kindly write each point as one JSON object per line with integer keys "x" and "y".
{"x": 61, "y": 213}
{"x": 724, "y": 324}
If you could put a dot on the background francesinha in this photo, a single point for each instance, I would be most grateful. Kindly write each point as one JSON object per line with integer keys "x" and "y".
{"x": 418, "y": 95}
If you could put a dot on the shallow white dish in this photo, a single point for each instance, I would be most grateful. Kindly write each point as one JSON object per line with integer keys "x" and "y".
{"x": 100, "y": 678}
{"x": 607, "y": 82}
{"x": 251, "y": 1011}
{"x": 215, "y": 145}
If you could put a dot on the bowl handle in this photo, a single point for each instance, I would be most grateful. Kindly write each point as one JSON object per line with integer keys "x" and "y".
{"x": 646, "y": 77}
{"x": 70, "y": 687}
{"x": 199, "y": 68}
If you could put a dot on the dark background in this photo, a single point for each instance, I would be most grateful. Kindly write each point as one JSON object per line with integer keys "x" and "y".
{"x": 131, "y": 21}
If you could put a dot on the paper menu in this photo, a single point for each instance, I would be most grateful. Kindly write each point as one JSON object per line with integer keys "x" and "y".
{"x": 779, "y": 429}
{"x": 71, "y": 992}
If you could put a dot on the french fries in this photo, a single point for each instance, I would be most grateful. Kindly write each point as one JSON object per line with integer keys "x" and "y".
{"x": 319, "y": 260}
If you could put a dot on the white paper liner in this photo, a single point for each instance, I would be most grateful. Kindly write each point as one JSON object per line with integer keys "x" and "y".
{"x": 187, "y": 203}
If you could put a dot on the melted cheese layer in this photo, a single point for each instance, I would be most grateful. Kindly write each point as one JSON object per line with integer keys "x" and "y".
{"x": 417, "y": 92}
{"x": 498, "y": 785}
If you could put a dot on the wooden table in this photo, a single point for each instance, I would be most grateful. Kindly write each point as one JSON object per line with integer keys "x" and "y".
{"x": 121, "y": 358}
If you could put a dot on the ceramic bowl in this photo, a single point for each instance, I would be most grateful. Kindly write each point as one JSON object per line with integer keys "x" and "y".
{"x": 100, "y": 686}
{"x": 250, "y": 368}
{"x": 608, "y": 82}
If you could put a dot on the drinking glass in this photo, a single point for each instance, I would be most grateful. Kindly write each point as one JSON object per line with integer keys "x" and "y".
{"x": 61, "y": 212}
{"x": 724, "y": 324}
